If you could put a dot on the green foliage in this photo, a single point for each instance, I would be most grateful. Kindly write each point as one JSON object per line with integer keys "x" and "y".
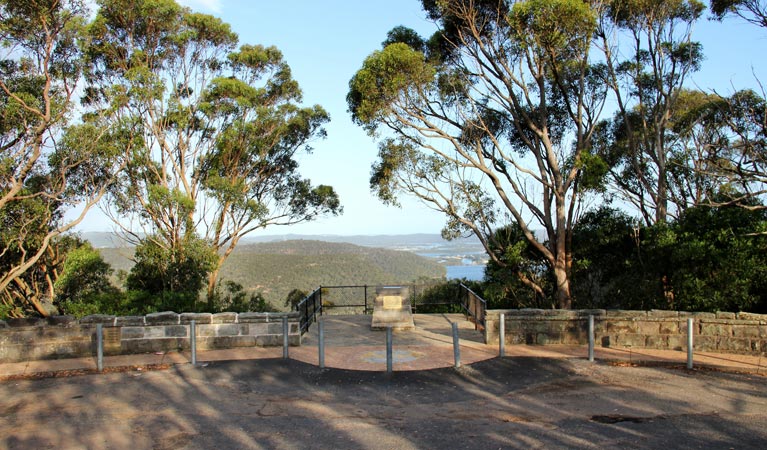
{"x": 562, "y": 28}
{"x": 753, "y": 11}
{"x": 710, "y": 259}
{"x": 47, "y": 166}
{"x": 234, "y": 298}
{"x": 517, "y": 276}
{"x": 220, "y": 127}
{"x": 637, "y": 144}
{"x": 294, "y": 297}
{"x": 169, "y": 278}
{"x": 386, "y": 75}
{"x": 608, "y": 267}
{"x": 83, "y": 287}
{"x": 717, "y": 263}
{"x": 275, "y": 270}
{"x": 114, "y": 302}
{"x": 393, "y": 157}
{"x": 504, "y": 96}
{"x": 442, "y": 297}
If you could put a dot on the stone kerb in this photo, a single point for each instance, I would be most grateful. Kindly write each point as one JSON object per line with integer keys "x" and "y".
{"x": 65, "y": 336}
{"x": 724, "y": 332}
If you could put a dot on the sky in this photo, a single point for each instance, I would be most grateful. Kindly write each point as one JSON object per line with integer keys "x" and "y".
{"x": 325, "y": 43}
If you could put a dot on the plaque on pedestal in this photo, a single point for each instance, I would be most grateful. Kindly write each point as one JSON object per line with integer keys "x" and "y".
{"x": 392, "y": 309}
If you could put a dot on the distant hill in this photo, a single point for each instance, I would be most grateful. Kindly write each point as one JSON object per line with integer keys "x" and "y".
{"x": 275, "y": 268}
{"x": 379, "y": 240}
{"x": 101, "y": 239}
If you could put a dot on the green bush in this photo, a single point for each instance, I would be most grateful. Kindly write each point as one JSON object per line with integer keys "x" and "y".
{"x": 232, "y": 297}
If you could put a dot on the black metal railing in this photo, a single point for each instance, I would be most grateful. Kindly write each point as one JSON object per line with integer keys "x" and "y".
{"x": 424, "y": 298}
{"x": 309, "y": 308}
{"x": 474, "y": 307}
{"x": 359, "y": 299}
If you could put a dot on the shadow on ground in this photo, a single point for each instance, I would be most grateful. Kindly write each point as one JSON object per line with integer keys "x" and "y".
{"x": 499, "y": 403}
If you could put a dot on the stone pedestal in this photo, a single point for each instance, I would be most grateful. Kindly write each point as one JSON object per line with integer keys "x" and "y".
{"x": 392, "y": 309}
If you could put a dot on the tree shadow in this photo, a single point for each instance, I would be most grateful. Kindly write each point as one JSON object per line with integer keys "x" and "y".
{"x": 498, "y": 403}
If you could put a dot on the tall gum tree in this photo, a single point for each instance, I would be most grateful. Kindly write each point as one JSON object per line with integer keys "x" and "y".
{"x": 649, "y": 54}
{"x": 222, "y": 126}
{"x": 49, "y": 164}
{"x": 744, "y": 117}
{"x": 490, "y": 120}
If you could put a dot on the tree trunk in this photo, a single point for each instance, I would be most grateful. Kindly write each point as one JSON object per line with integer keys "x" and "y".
{"x": 213, "y": 276}
{"x": 212, "y": 279}
{"x": 661, "y": 203}
{"x": 564, "y": 301}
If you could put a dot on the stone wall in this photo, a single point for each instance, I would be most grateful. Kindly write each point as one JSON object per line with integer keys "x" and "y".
{"x": 723, "y": 332}
{"x": 66, "y": 337}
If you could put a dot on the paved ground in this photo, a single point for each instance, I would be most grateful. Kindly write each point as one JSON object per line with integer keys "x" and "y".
{"x": 547, "y": 399}
{"x": 350, "y": 344}
{"x": 515, "y": 403}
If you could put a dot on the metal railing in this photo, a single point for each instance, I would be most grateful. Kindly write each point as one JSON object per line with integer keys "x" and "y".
{"x": 359, "y": 299}
{"x": 474, "y": 307}
{"x": 309, "y": 307}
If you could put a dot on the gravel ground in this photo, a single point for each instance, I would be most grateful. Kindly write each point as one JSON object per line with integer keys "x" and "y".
{"x": 500, "y": 403}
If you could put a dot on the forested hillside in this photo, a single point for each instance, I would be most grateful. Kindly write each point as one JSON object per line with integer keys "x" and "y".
{"x": 276, "y": 268}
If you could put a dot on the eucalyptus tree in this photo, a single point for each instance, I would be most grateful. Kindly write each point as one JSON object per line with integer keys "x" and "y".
{"x": 49, "y": 165}
{"x": 221, "y": 127}
{"x": 753, "y": 11}
{"x": 745, "y": 118}
{"x": 721, "y": 156}
{"x": 649, "y": 54}
{"x": 490, "y": 120}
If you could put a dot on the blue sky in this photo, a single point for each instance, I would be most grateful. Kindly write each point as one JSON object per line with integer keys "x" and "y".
{"x": 325, "y": 42}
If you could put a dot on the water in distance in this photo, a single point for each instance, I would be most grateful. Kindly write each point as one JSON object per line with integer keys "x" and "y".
{"x": 473, "y": 272}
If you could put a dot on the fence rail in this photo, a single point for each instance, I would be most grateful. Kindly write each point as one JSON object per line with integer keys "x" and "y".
{"x": 475, "y": 307}
{"x": 359, "y": 299}
{"x": 309, "y": 307}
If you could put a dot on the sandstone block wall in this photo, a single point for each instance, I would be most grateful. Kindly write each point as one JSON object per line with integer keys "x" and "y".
{"x": 66, "y": 337}
{"x": 723, "y": 332}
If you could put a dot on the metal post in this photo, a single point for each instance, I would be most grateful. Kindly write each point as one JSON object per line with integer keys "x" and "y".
{"x": 456, "y": 347}
{"x": 591, "y": 337}
{"x": 321, "y": 343}
{"x": 366, "y": 299}
{"x": 285, "y": 337}
{"x": 689, "y": 343}
{"x": 100, "y": 347}
{"x": 389, "y": 352}
{"x": 502, "y": 335}
{"x": 193, "y": 341}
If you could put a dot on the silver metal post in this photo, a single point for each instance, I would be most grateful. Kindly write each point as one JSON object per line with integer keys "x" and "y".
{"x": 456, "y": 346}
{"x": 193, "y": 341}
{"x": 389, "y": 352}
{"x": 502, "y": 335}
{"x": 285, "y": 341}
{"x": 321, "y": 329}
{"x": 100, "y": 347}
{"x": 689, "y": 343}
{"x": 591, "y": 337}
